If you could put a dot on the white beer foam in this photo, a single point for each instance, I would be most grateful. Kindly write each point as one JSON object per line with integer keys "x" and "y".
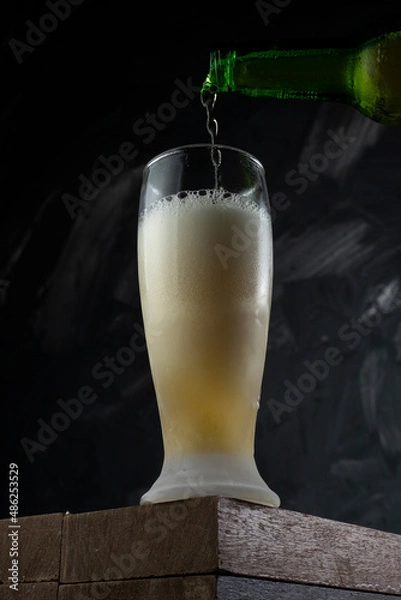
{"x": 190, "y": 199}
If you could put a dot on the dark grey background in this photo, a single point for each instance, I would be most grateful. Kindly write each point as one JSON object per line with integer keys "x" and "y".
{"x": 69, "y": 289}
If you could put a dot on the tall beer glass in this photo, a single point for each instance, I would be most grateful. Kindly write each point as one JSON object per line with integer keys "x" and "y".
{"x": 205, "y": 276}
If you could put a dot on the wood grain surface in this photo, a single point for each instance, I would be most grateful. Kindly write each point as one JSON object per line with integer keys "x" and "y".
{"x": 220, "y": 535}
{"x": 30, "y": 591}
{"x": 176, "y": 538}
{"x": 217, "y": 537}
{"x": 171, "y": 588}
{"x": 39, "y": 540}
{"x": 291, "y": 546}
{"x": 241, "y": 588}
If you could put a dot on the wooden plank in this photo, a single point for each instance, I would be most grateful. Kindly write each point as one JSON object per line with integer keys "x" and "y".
{"x": 241, "y": 588}
{"x": 192, "y": 587}
{"x": 30, "y": 591}
{"x": 220, "y": 535}
{"x": 290, "y": 546}
{"x": 39, "y": 545}
{"x": 174, "y": 538}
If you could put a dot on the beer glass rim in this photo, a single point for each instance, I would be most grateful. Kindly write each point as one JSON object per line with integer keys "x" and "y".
{"x": 184, "y": 147}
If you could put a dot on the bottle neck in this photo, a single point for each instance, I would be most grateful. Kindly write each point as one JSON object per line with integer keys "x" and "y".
{"x": 298, "y": 74}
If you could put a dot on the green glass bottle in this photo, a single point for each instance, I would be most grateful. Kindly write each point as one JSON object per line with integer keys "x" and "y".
{"x": 368, "y": 77}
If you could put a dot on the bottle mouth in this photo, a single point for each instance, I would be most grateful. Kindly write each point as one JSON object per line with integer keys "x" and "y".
{"x": 220, "y": 76}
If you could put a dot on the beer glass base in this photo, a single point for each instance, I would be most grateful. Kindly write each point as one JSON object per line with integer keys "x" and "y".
{"x": 198, "y": 475}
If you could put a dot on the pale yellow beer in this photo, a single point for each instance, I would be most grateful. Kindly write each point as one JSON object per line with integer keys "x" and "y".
{"x": 205, "y": 275}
